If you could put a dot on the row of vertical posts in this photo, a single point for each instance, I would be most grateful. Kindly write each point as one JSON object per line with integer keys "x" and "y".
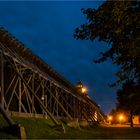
{"x": 59, "y": 103}
{"x": 2, "y": 80}
{"x": 69, "y": 102}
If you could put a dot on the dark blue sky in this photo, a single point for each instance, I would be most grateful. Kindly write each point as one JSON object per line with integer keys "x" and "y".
{"x": 47, "y": 27}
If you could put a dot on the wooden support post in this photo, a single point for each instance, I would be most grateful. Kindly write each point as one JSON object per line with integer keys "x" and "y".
{"x": 20, "y": 90}
{"x": 77, "y": 108}
{"x": 50, "y": 115}
{"x": 45, "y": 105}
{"x": 43, "y": 96}
{"x": 50, "y": 99}
{"x": 67, "y": 98}
{"x": 80, "y": 110}
{"x": 33, "y": 78}
{"x": 45, "y": 109}
{"x": 71, "y": 104}
{"x": 74, "y": 109}
{"x": 62, "y": 102}
{"x": 68, "y": 115}
{"x": 2, "y": 80}
{"x": 27, "y": 98}
{"x": 57, "y": 96}
{"x": 12, "y": 94}
{"x": 2, "y": 110}
{"x": 10, "y": 85}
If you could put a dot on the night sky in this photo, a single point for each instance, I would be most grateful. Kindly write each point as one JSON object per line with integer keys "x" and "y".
{"x": 47, "y": 28}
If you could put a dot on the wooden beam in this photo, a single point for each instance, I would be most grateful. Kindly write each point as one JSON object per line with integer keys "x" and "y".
{"x": 49, "y": 114}
{"x": 2, "y": 80}
{"x": 20, "y": 90}
{"x": 59, "y": 104}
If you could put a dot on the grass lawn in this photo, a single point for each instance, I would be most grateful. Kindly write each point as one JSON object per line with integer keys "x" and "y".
{"x": 41, "y": 129}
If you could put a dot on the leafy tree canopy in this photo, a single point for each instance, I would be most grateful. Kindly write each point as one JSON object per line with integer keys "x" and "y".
{"x": 118, "y": 24}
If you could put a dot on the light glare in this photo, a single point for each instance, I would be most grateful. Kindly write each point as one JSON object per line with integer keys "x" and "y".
{"x": 110, "y": 118}
{"x": 84, "y": 90}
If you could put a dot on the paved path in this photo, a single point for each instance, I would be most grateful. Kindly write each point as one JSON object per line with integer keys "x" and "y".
{"x": 118, "y": 125}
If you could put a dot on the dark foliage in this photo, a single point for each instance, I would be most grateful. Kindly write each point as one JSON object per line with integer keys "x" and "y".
{"x": 118, "y": 24}
{"x": 128, "y": 97}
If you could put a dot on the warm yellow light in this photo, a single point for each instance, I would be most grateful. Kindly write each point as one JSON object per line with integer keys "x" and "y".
{"x": 80, "y": 86}
{"x": 110, "y": 118}
{"x": 121, "y": 117}
{"x": 84, "y": 90}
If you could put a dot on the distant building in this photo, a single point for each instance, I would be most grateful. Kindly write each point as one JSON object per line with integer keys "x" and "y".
{"x": 80, "y": 88}
{"x": 136, "y": 119}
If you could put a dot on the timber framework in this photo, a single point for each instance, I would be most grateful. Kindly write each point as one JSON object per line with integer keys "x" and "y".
{"x": 28, "y": 86}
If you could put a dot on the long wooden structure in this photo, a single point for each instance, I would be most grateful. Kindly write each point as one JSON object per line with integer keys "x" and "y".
{"x": 29, "y": 86}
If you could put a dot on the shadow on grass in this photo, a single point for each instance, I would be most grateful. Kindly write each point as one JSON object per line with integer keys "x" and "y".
{"x": 9, "y": 132}
{"x": 43, "y": 129}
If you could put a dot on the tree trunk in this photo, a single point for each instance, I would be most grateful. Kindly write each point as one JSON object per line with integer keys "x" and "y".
{"x": 131, "y": 118}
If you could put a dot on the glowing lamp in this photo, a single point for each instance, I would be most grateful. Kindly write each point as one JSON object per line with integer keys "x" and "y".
{"x": 110, "y": 118}
{"x": 84, "y": 90}
{"x": 121, "y": 117}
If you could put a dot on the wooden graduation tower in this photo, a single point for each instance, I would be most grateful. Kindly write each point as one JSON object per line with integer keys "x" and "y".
{"x": 29, "y": 87}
